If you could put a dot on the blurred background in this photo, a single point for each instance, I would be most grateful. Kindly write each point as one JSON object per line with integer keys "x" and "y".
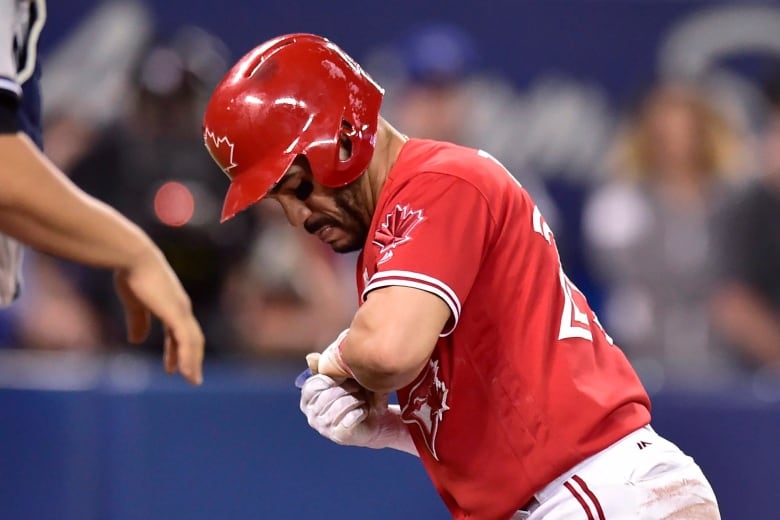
{"x": 647, "y": 132}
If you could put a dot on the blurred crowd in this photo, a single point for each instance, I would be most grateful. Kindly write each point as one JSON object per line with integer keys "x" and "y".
{"x": 674, "y": 236}
{"x": 135, "y": 142}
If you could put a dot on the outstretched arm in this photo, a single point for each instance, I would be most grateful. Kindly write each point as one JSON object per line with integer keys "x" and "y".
{"x": 41, "y": 207}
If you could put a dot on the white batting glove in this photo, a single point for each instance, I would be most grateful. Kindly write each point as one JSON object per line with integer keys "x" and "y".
{"x": 342, "y": 414}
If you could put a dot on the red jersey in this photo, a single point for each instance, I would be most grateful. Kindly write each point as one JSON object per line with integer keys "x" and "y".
{"x": 523, "y": 383}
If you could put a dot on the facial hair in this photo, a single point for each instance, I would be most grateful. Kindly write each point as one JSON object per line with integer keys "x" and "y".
{"x": 351, "y": 220}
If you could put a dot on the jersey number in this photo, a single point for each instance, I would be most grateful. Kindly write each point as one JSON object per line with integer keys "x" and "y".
{"x": 574, "y": 321}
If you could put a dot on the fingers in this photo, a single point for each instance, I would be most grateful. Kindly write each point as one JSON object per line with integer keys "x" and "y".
{"x": 320, "y": 393}
{"x": 353, "y": 417}
{"x": 184, "y": 350}
{"x": 332, "y": 408}
{"x": 313, "y": 389}
{"x": 150, "y": 287}
{"x": 170, "y": 354}
{"x": 313, "y": 361}
{"x": 347, "y": 407}
{"x": 138, "y": 325}
{"x": 138, "y": 320}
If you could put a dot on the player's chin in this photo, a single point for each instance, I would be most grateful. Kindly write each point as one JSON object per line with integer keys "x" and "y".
{"x": 347, "y": 243}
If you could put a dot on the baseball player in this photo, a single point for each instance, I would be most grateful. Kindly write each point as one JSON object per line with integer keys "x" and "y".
{"x": 509, "y": 391}
{"x": 39, "y": 206}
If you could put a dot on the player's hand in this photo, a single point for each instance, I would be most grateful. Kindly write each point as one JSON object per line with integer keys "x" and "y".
{"x": 329, "y": 362}
{"x": 349, "y": 415}
{"x": 150, "y": 287}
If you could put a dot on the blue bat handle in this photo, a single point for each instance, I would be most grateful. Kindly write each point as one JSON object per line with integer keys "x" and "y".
{"x": 302, "y": 377}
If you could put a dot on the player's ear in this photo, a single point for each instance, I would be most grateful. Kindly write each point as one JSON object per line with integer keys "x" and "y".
{"x": 345, "y": 143}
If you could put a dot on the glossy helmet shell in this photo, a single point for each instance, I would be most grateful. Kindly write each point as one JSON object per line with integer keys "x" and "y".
{"x": 293, "y": 95}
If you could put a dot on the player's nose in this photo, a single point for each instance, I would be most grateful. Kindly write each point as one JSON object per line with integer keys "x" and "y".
{"x": 295, "y": 210}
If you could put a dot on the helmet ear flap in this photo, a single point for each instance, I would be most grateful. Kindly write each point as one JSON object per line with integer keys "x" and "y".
{"x": 346, "y": 134}
{"x": 355, "y": 148}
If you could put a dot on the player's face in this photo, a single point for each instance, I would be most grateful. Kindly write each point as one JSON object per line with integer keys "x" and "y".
{"x": 335, "y": 216}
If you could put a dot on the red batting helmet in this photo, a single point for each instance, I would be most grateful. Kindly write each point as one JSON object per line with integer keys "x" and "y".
{"x": 293, "y": 95}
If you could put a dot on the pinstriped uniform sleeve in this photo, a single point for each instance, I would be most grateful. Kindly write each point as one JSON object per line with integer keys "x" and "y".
{"x": 432, "y": 238}
{"x": 8, "y": 65}
{"x": 10, "y": 89}
{"x": 21, "y": 22}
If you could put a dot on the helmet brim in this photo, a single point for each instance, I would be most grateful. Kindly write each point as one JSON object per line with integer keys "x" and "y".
{"x": 252, "y": 185}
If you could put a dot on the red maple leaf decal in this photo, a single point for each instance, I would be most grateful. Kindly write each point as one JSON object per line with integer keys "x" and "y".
{"x": 221, "y": 150}
{"x": 396, "y": 229}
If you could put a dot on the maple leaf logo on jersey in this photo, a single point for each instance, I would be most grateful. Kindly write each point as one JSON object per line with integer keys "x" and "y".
{"x": 427, "y": 404}
{"x": 221, "y": 150}
{"x": 395, "y": 230}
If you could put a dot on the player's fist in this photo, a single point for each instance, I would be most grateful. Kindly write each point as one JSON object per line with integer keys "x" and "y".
{"x": 332, "y": 408}
{"x": 348, "y": 414}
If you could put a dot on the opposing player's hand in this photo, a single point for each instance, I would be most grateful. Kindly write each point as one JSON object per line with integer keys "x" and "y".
{"x": 150, "y": 287}
{"x": 349, "y": 415}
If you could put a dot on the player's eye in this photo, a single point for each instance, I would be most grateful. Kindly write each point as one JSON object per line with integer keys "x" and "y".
{"x": 303, "y": 190}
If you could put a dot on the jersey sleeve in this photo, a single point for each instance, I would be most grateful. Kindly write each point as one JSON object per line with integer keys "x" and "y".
{"x": 10, "y": 89}
{"x": 433, "y": 237}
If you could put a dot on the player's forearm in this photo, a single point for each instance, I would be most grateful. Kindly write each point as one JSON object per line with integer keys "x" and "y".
{"x": 41, "y": 207}
{"x": 378, "y": 362}
{"x": 382, "y": 354}
{"x": 392, "y": 337}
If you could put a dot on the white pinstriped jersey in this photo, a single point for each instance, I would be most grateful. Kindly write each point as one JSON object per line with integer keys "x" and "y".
{"x": 21, "y": 22}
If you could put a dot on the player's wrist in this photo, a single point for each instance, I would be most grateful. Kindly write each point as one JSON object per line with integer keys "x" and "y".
{"x": 331, "y": 361}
